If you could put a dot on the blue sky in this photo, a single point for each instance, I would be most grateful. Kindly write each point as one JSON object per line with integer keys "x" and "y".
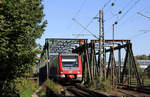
{"x": 59, "y": 14}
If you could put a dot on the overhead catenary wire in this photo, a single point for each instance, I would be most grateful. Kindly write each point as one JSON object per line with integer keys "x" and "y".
{"x": 98, "y": 13}
{"x": 128, "y": 3}
{"x": 143, "y": 15}
{"x": 145, "y": 30}
{"x": 85, "y": 28}
{"x": 91, "y": 21}
{"x": 77, "y": 13}
{"x": 80, "y": 8}
{"x": 119, "y": 12}
{"x": 137, "y": 1}
{"x": 139, "y": 34}
{"x": 131, "y": 7}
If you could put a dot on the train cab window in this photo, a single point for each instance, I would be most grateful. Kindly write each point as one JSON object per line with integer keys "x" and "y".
{"x": 69, "y": 61}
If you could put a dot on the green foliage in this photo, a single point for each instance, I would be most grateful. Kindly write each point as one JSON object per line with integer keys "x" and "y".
{"x": 57, "y": 88}
{"x": 42, "y": 93}
{"x": 142, "y": 57}
{"x": 99, "y": 84}
{"x": 26, "y": 87}
{"x": 139, "y": 68}
{"x": 147, "y": 81}
{"x": 20, "y": 25}
{"x": 147, "y": 71}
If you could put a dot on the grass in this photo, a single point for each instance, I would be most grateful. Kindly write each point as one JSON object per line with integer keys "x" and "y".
{"x": 103, "y": 85}
{"x": 26, "y": 87}
{"x": 42, "y": 93}
{"x": 54, "y": 86}
{"x": 147, "y": 81}
{"x": 27, "y": 93}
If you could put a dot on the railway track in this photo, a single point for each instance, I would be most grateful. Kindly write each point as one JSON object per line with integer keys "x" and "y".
{"x": 80, "y": 91}
{"x": 131, "y": 93}
{"x": 84, "y": 92}
{"x": 75, "y": 90}
{"x": 134, "y": 91}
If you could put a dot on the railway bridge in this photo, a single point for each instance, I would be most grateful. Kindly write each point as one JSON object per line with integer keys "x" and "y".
{"x": 97, "y": 62}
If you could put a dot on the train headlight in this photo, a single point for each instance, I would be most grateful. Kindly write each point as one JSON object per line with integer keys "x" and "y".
{"x": 61, "y": 72}
{"x": 78, "y": 71}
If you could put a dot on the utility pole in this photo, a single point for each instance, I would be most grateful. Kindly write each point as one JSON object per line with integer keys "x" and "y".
{"x": 101, "y": 44}
{"x": 113, "y": 59}
{"x": 99, "y": 57}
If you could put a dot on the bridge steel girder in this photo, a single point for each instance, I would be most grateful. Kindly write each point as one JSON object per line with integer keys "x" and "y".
{"x": 89, "y": 54}
{"x": 122, "y": 44}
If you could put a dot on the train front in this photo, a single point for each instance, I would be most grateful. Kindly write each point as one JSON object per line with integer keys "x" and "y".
{"x": 70, "y": 66}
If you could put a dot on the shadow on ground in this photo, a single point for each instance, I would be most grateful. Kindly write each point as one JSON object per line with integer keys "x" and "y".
{"x": 50, "y": 93}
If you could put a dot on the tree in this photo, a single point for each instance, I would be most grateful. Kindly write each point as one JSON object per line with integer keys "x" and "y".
{"x": 21, "y": 23}
{"x": 147, "y": 71}
{"x": 142, "y": 57}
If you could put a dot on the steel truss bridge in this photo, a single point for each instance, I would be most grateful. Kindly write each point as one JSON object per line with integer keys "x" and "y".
{"x": 93, "y": 66}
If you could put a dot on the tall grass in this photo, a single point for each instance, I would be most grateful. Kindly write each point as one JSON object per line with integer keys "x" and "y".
{"x": 103, "y": 85}
{"x": 54, "y": 86}
{"x": 26, "y": 87}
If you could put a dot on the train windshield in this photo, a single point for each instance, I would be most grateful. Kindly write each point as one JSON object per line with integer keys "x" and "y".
{"x": 70, "y": 61}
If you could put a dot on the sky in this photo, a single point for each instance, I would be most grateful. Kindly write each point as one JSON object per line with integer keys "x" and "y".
{"x": 59, "y": 14}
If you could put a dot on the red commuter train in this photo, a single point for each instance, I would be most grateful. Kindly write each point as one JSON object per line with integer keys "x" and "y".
{"x": 65, "y": 66}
